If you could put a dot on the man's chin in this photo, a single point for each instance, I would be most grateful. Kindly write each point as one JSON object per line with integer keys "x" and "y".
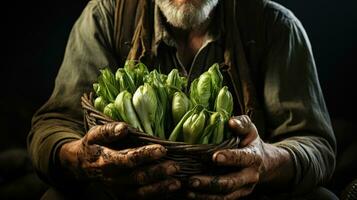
{"x": 187, "y": 15}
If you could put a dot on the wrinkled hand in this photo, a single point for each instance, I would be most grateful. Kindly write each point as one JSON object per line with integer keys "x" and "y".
{"x": 131, "y": 170}
{"x": 247, "y": 159}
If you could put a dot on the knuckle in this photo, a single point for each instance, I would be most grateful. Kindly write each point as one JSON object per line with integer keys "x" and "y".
{"x": 226, "y": 184}
{"x": 155, "y": 151}
{"x": 239, "y": 181}
{"x": 123, "y": 160}
{"x": 101, "y": 163}
{"x": 119, "y": 127}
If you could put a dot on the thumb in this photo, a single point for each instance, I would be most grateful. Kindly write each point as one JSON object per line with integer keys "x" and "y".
{"x": 103, "y": 134}
{"x": 244, "y": 128}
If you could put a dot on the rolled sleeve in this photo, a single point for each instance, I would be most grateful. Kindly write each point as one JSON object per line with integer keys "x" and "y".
{"x": 60, "y": 119}
{"x": 297, "y": 116}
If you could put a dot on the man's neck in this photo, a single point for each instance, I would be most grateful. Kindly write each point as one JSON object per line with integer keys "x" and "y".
{"x": 189, "y": 42}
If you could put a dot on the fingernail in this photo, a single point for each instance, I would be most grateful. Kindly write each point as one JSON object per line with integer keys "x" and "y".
{"x": 191, "y": 195}
{"x": 171, "y": 169}
{"x": 173, "y": 186}
{"x": 119, "y": 127}
{"x": 195, "y": 183}
{"x": 221, "y": 158}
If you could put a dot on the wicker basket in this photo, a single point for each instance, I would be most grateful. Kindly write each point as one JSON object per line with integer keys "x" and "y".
{"x": 193, "y": 159}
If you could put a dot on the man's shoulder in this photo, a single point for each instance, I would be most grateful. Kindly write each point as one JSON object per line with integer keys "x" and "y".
{"x": 261, "y": 17}
{"x": 276, "y": 9}
{"x": 265, "y": 8}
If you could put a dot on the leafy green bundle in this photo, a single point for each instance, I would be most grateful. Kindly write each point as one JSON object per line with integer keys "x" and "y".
{"x": 156, "y": 104}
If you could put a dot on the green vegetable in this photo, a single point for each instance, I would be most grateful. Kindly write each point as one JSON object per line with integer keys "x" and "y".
{"x": 204, "y": 90}
{"x": 100, "y": 103}
{"x": 218, "y": 119}
{"x": 193, "y": 92}
{"x": 99, "y": 90}
{"x": 216, "y": 79}
{"x": 175, "y": 134}
{"x": 175, "y": 82}
{"x": 145, "y": 103}
{"x": 140, "y": 72}
{"x": 180, "y": 105}
{"x": 163, "y": 78}
{"x": 125, "y": 80}
{"x": 111, "y": 111}
{"x": 224, "y": 101}
{"x": 155, "y": 81}
{"x": 194, "y": 127}
{"x": 123, "y": 104}
{"x": 107, "y": 86}
{"x": 207, "y": 134}
{"x": 214, "y": 131}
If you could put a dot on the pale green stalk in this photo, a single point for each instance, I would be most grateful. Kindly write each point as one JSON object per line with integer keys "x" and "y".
{"x": 145, "y": 103}
{"x": 124, "y": 105}
{"x": 180, "y": 105}
{"x": 193, "y": 127}
{"x": 224, "y": 101}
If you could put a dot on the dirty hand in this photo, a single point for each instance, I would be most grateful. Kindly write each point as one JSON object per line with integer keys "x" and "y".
{"x": 132, "y": 170}
{"x": 255, "y": 162}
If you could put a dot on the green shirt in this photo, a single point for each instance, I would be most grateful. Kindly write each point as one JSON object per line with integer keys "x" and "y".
{"x": 296, "y": 117}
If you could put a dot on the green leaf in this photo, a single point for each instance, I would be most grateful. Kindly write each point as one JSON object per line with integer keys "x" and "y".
{"x": 204, "y": 90}
{"x": 125, "y": 80}
{"x": 145, "y": 103}
{"x": 123, "y": 104}
{"x": 180, "y": 105}
{"x": 216, "y": 78}
{"x": 112, "y": 112}
{"x": 175, "y": 82}
{"x": 100, "y": 103}
{"x": 224, "y": 101}
{"x": 194, "y": 127}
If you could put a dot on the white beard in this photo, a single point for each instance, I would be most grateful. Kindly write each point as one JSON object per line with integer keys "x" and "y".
{"x": 187, "y": 15}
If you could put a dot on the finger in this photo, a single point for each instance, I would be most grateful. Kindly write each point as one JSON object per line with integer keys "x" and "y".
{"x": 160, "y": 188}
{"x": 232, "y": 196}
{"x": 244, "y": 157}
{"x": 155, "y": 172}
{"x": 242, "y": 126}
{"x": 104, "y": 134}
{"x": 130, "y": 158}
{"x": 225, "y": 184}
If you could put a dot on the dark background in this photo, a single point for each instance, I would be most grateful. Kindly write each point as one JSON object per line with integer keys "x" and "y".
{"x": 35, "y": 35}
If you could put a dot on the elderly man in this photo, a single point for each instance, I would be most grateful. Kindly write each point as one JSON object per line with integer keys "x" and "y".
{"x": 287, "y": 147}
